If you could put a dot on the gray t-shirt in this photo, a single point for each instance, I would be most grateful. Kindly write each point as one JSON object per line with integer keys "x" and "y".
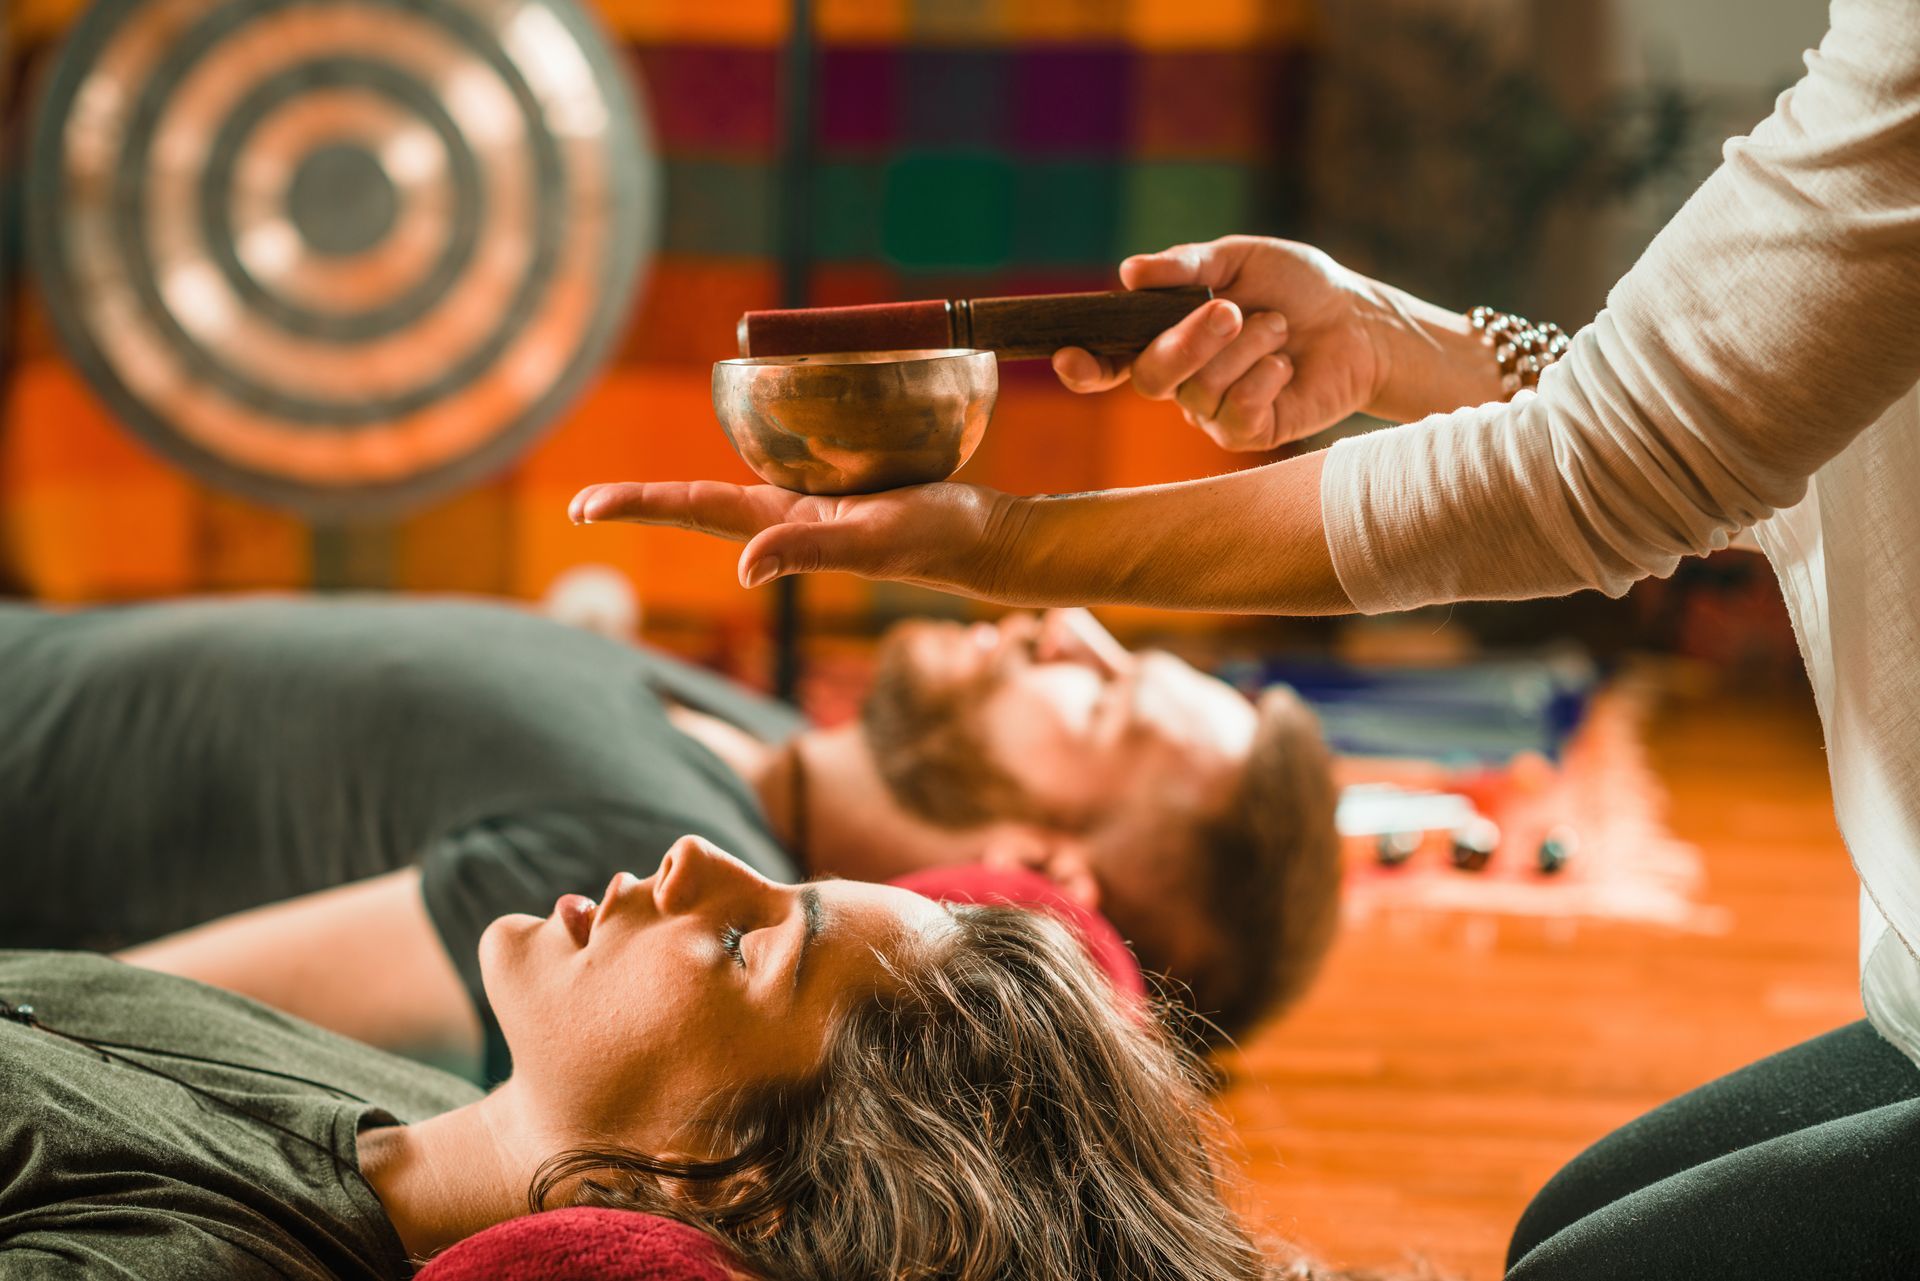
{"x": 108, "y": 1170}
{"x": 163, "y": 765}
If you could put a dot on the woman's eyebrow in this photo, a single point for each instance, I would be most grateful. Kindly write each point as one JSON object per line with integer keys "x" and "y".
{"x": 811, "y": 917}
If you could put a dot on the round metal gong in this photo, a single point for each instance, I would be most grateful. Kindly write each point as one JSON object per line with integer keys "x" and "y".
{"x": 339, "y": 255}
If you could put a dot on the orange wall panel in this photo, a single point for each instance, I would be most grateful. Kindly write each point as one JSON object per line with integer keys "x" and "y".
{"x": 643, "y": 422}
{"x": 244, "y": 547}
{"x": 696, "y": 21}
{"x": 1043, "y": 439}
{"x": 1150, "y": 443}
{"x": 690, "y": 310}
{"x": 651, "y": 422}
{"x": 862, "y": 21}
{"x": 463, "y": 545}
{"x": 85, "y": 511}
{"x": 1216, "y": 24}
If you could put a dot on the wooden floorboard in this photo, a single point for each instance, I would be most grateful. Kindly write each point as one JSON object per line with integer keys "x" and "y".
{"x": 1446, "y": 1065}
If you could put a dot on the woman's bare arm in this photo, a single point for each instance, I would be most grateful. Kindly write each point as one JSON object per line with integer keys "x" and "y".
{"x": 361, "y": 959}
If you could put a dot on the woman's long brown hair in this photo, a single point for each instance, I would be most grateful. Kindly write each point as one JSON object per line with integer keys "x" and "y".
{"x": 994, "y": 1116}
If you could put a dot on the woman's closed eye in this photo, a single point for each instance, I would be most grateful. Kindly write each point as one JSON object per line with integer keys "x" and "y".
{"x": 730, "y": 939}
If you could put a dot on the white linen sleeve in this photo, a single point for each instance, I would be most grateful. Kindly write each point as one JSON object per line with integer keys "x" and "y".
{"x": 1771, "y": 321}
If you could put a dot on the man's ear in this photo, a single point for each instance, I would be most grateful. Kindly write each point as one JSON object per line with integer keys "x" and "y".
{"x": 1063, "y": 859}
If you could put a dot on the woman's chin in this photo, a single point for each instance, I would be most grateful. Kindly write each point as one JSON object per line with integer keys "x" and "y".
{"x": 502, "y": 950}
{"x": 512, "y": 925}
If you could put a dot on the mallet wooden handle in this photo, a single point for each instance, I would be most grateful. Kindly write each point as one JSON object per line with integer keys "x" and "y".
{"x": 1120, "y": 323}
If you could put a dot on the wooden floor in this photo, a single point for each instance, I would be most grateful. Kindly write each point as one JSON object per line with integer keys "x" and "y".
{"x": 1447, "y": 1065}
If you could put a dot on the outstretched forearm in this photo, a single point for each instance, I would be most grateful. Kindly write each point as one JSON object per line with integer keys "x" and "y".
{"x": 360, "y": 959}
{"x": 1246, "y": 542}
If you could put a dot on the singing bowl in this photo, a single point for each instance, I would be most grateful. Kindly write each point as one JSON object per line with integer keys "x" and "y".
{"x": 856, "y": 422}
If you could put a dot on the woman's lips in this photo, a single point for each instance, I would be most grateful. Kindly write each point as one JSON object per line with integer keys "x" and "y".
{"x": 576, "y": 913}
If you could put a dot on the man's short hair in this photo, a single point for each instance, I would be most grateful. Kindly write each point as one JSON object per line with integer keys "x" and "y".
{"x": 1267, "y": 871}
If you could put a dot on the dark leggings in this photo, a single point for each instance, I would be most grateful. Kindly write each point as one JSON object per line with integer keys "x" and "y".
{"x": 1806, "y": 1164}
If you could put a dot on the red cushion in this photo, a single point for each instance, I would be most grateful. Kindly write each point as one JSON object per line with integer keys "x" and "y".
{"x": 583, "y": 1245}
{"x": 977, "y": 883}
{"x": 621, "y": 1245}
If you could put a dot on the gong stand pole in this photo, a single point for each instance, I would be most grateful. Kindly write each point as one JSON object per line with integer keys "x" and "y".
{"x": 796, "y": 271}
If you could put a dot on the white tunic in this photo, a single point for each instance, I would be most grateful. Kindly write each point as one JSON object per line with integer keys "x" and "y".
{"x": 1757, "y": 369}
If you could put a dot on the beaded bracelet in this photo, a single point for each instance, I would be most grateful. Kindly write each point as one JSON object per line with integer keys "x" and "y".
{"x": 1522, "y": 348}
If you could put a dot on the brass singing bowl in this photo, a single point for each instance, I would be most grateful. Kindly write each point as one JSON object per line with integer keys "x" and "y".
{"x": 856, "y": 422}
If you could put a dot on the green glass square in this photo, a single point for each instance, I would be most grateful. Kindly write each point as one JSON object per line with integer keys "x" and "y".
{"x": 720, "y": 208}
{"x": 1171, "y": 203}
{"x": 849, "y": 202}
{"x": 949, "y": 210}
{"x": 1067, "y": 213}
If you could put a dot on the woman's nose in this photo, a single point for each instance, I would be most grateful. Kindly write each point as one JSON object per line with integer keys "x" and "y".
{"x": 697, "y": 873}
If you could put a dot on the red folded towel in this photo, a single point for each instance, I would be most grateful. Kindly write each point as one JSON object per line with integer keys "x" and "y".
{"x": 583, "y": 1245}
{"x": 974, "y": 883}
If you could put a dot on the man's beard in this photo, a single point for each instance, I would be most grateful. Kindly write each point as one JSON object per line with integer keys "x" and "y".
{"x": 929, "y": 752}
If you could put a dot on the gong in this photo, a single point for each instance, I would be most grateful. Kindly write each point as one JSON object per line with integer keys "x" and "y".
{"x": 342, "y": 256}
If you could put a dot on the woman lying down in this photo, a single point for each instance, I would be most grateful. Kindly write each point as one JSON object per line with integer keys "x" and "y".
{"x": 838, "y": 1080}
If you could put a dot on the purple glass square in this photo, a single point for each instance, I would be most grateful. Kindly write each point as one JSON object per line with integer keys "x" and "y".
{"x": 1072, "y": 98}
{"x": 859, "y": 96}
{"x": 705, "y": 98}
{"x": 955, "y": 97}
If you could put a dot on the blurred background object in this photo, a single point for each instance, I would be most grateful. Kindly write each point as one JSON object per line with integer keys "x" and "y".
{"x": 955, "y": 150}
{"x": 320, "y": 288}
{"x": 341, "y": 259}
{"x": 295, "y": 360}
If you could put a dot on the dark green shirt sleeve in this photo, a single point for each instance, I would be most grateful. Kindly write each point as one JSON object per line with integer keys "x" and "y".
{"x": 217, "y": 1139}
{"x": 139, "y": 1244}
{"x": 767, "y": 719}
